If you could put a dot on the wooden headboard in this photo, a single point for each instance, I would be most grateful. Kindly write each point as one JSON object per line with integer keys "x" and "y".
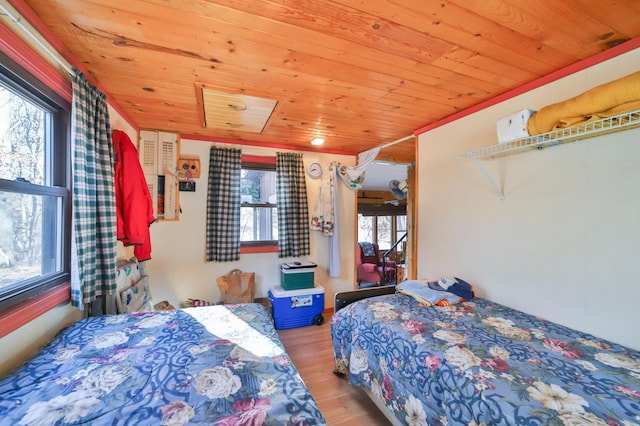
{"x": 347, "y": 297}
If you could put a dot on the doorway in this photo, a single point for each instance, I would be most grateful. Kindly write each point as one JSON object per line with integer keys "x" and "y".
{"x": 384, "y": 220}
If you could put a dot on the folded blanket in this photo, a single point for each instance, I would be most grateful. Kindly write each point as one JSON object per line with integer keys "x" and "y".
{"x": 453, "y": 285}
{"x": 616, "y": 97}
{"x": 421, "y": 291}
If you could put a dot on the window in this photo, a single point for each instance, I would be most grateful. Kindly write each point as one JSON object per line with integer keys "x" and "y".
{"x": 366, "y": 228}
{"x": 384, "y": 232}
{"x": 34, "y": 186}
{"x": 380, "y": 229}
{"x": 258, "y": 208}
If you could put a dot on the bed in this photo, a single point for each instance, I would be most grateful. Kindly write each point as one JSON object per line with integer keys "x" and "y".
{"x": 481, "y": 363}
{"x": 222, "y": 365}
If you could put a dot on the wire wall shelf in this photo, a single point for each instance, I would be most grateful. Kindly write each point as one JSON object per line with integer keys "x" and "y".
{"x": 625, "y": 121}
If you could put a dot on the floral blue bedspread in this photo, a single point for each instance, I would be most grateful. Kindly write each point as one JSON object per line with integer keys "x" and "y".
{"x": 215, "y": 365}
{"x": 481, "y": 363}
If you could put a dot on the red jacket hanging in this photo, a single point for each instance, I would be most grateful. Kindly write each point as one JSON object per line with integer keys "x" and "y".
{"x": 133, "y": 200}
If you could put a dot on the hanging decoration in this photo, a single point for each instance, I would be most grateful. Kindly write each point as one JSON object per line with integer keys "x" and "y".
{"x": 324, "y": 218}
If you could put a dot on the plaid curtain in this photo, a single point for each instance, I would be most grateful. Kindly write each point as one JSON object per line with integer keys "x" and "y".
{"x": 93, "y": 262}
{"x": 223, "y": 205}
{"x": 293, "y": 210}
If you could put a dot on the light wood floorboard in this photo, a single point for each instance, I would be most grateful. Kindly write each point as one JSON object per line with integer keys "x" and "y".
{"x": 340, "y": 403}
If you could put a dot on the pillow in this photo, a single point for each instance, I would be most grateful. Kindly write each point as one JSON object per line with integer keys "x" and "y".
{"x": 127, "y": 273}
{"x": 453, "y": 285}
{"x": 367, "y": 249}
{"x": 137, "y": 298}
{"x": 423, "y": 293}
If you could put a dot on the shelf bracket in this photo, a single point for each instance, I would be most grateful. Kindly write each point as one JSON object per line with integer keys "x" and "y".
{"x": 486, "y": 175}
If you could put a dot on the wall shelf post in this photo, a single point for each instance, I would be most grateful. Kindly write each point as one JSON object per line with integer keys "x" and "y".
{"x": 488, "y": 176}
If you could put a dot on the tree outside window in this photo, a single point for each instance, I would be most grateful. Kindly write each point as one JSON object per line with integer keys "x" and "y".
{"x": 384, "y": 232}
{"x": 365, "y": 228}
{"x": 21, "y": 159}
{"x": 34, "y": 186}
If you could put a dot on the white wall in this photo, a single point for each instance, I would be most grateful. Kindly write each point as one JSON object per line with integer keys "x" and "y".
{"x": 26, "y": 340}
{"x": 563, "y": 245}
{"x": 178, "y": 270}
{"x": 117, "y": 122}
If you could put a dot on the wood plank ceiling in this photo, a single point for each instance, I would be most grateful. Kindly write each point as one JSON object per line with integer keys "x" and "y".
{"x": 359, "y": 73}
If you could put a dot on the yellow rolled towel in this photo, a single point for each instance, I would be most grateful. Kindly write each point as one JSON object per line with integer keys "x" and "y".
{"x": 615, "y": 97}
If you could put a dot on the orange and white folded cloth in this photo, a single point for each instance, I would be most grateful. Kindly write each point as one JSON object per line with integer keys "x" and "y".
{"x": 609, "y": 99}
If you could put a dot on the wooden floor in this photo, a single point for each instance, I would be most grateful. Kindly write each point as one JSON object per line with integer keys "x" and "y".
{"x": 340, "y": 403}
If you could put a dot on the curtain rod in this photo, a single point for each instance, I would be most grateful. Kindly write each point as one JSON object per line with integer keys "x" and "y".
{"x": 388, "y": 144}
{"x": 16, "y": 18}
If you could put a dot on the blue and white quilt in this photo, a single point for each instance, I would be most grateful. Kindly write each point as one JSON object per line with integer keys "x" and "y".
{"x": 482, "y": 363}
{"x": 215, "y": 365}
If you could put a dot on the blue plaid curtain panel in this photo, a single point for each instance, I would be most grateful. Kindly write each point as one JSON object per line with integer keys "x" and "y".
{"x": 94, "y": 198}
{"x": 223, "y": 205}
{"x": 293, "y": 210}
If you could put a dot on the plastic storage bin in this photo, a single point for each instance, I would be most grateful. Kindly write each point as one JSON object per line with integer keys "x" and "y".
{"x": 296, "y": 276}
{"x": 514, "y": 126}
{"x": 297, "y": 308}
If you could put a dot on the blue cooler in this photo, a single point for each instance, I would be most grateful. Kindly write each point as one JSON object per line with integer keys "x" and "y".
{"x": 297, "y": 308}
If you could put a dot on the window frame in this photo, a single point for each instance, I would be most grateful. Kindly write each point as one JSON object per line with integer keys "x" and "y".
{"x": 265, "y": 163}
{"x": 52, "y": 288}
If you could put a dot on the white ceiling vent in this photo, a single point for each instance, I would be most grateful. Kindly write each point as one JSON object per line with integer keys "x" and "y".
{"x": 230, "y": 111}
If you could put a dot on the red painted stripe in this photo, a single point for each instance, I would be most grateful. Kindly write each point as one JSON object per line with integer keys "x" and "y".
{"x": 258, "y": 159}
{"x": 263, "y": 144}
{"x": 23, "y": 313}
{"x": 549, "y": 78}
{"x": 37, "y": 23}
{"x": 20, "y": 52}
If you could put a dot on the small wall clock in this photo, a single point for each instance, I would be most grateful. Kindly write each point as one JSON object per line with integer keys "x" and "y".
{"x": 314, "y": 170}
